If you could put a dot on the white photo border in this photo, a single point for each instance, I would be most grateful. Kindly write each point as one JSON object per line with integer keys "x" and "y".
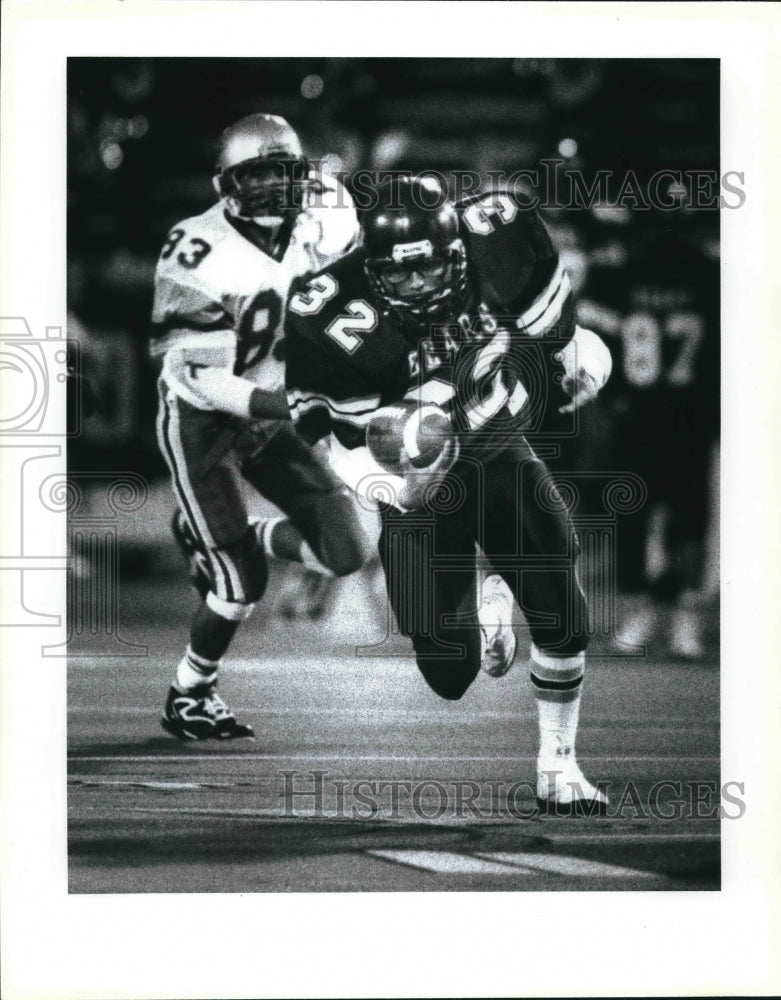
{"x": 453, "y": 944}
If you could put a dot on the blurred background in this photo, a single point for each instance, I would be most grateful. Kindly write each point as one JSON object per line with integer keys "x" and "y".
{"x": 142, "y": 136}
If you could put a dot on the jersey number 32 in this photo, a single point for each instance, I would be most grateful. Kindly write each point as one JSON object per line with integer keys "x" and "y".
{"x": 359, "y": 315}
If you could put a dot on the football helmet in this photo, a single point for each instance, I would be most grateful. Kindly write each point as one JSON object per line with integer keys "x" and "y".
{"x": 261, "y": 169}
{"x": 416, "y": 261}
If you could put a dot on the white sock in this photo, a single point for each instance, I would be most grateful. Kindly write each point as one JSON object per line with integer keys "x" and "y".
{"x": 557, "y": 685}
{"x": 265, "y": 534}
{"x": 193, "y": 670}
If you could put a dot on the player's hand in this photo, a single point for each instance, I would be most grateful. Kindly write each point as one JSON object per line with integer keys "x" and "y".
{"x": 418, "y": 484}
{"x": 581, "y": 387}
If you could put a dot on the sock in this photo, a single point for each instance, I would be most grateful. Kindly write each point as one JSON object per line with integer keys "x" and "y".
{"x": 264, "y": 531}
{"x": 280, "y": 538}
{"x": 194, "y": 669}
{"x": 557, "y": 685}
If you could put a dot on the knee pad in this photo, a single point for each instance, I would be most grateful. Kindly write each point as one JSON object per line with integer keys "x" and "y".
{"x": 232, "y": 611}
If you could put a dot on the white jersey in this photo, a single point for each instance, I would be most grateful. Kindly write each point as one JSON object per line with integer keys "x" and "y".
{"x": 220, "y": 298}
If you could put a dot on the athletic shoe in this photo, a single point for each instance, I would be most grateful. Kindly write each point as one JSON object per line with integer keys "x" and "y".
{"x": 686, "y": 634}
{"x": 562, "y": 789}
{"x": 201, "y": 714}
{"x": 498, "y": 638}
{"x": 200, "y": 576}
{"x": 638, "y": 628}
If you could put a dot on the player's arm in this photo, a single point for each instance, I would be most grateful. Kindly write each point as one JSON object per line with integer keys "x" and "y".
{"x": 333, "y": 401}
{"x": 209, "y": 376}
{"x": 196, "y": 339}
{"x": 340, "y": 231}
{"x": 585, "y": 358}
{"x": 327, "y": 405}
{"x": 526, "y": 273}
{"x": 346, "y": 423}
{"x": 587, "y": 366}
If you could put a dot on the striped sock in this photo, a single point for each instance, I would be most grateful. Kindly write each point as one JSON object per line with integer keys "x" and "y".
{"x": 287, "y": 544}
{"x": 264, "y": 531}
{"x": 193, "y": 670}
{"x": 557, "y": 685}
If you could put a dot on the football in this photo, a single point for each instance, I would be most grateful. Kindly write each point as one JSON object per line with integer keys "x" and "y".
{"x": 408, "y": 434}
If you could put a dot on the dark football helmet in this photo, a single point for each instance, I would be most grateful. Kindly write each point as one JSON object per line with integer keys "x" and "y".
{"x": 261, "y": 170}
{"x": 416, "y": 261}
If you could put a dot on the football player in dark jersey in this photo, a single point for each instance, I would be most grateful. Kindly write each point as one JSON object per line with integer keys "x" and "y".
{"x": 660, "y": 314}
{"x": 462, "y": 310}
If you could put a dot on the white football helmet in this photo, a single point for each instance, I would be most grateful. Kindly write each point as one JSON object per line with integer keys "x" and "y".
{"x": 261, "y": 172}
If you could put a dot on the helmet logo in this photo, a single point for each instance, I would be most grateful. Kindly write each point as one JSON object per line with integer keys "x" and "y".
{"x": 403, "y": 251}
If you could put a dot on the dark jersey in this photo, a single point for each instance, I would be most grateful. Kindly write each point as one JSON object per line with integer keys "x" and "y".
{"x": 660, "y": 315}
{"x": 490, "y": 369}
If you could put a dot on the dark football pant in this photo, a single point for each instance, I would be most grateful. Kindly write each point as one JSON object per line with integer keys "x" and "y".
{"x": 209, "y": 454}
{"x": 510, "y": 508}
{"x": 667, "y": 441}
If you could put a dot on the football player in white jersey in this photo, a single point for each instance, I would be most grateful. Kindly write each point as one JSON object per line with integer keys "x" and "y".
{"x": 221, "y": 285}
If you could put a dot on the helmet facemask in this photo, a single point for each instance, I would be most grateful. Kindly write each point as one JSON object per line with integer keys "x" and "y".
{"x": 419, "y": 284}
{"x": 267, "y": 191}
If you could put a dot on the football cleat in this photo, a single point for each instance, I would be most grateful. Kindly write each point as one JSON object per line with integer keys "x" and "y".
{"x": 686, "y": 634}
{"x": 200, "y": 576}
{"x": 638, "y": 628}
{"x": 498, "y": 638}
{"x": 201, "y": 714}
{"x": 562, "y": 789}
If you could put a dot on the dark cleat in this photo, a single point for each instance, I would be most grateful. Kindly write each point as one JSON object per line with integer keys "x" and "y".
{"x": 201, "y": 714}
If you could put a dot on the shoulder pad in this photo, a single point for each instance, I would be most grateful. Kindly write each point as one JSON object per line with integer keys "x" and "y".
{"x": 325, "y": 185}
{"x": 210, "y": 223}
{"x": 521, "y": 199}
{"x": 506, "y": 242}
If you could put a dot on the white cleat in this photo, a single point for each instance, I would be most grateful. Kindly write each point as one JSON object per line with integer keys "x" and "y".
{"x": 498, "y": 638}
{"x": 685, "y": 634}
{"x": 638, "y": 628}
{"x": 562, "y": 788}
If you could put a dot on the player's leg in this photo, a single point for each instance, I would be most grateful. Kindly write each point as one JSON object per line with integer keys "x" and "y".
{"x": 195, "y": 556}
{"x": 495, "y": 613}
{"x": 322, "y": 528}
{"x": 198, "y": 448}
{"x": 637, "y": 451}
{"x": 686, "y": 491}
{"x": 527, "y": 519}
{"x": 428, "y": 558}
